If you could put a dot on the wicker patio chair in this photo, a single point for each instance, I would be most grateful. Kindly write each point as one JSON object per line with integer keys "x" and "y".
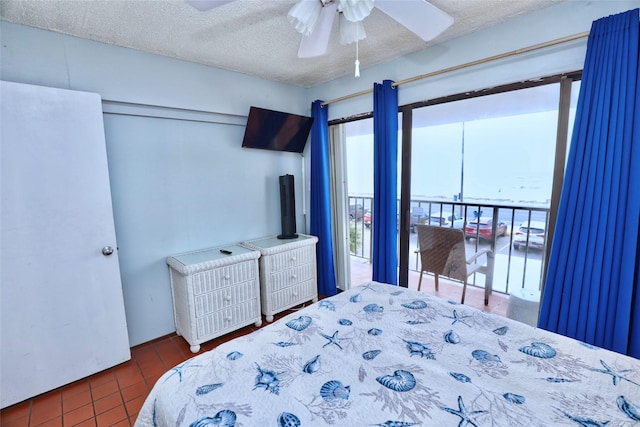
{"x": 442, "y": 252}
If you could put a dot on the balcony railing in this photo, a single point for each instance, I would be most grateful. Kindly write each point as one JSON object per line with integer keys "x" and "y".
{"x": 516, "y": 234}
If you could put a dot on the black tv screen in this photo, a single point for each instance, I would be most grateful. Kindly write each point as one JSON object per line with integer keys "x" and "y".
{"x": 275, "y": 130}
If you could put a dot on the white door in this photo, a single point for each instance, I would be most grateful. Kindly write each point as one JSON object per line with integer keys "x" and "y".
{"x": 62, "y": 311}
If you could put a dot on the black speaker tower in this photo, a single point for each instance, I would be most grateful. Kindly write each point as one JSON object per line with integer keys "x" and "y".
{"x": 287, "y": 207}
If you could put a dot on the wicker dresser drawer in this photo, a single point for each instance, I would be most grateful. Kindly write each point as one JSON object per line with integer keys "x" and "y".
{"x": 229, "y": 275}
{"x": 225, "y": 297}
{"x": 224, "y": 321}
{"x": 214, "y": 292}
{"x": 285, "y": 260}
{"x": 293, "y": 295}
{"x": 288, "y": 272}
{"x": 292, "y": 276}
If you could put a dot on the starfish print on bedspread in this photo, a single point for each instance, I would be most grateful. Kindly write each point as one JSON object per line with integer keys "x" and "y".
{"x": 458, "y": 318}
{"x": 368, "y": 286}
{"x": 333, "y": 339}
{"x": 617, "y": 375}
{"x": 465, "y": 416}
{"x": 179, "y": 370}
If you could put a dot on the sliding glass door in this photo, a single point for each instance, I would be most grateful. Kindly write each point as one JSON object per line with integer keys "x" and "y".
{"x": 484, "y": 162}
{"x": 485, "y": 165}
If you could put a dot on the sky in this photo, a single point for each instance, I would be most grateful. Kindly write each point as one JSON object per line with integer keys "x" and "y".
{"x": 508, "y": 158}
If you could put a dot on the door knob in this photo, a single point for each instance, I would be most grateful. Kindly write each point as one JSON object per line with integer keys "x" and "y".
{"x": 107, "y": 250}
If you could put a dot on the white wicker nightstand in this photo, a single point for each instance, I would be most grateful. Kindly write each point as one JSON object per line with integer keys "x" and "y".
{"x": 288, "y": 275}
{"x": 214, "y": 293}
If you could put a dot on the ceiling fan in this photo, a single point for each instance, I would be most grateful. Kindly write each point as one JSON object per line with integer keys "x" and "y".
{"x": 314, "y": 19}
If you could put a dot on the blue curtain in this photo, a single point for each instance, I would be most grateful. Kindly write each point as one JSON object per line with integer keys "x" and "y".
{"x": 320, "y": 215}
{"x": 385, "y": 189}
{"x": 592, "y": 292}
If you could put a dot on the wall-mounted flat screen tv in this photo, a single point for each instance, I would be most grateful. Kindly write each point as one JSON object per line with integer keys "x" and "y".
{"x": 275, "y": 130}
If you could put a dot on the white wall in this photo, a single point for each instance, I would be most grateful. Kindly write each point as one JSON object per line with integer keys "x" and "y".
{"x": 180, "y": 179}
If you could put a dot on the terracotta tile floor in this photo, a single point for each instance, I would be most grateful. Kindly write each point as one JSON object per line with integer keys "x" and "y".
{"x": 114, "y": 397}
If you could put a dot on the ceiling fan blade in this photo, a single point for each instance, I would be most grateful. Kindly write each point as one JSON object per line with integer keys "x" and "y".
{"x": 204, "y": 5}
{"x": 419, "y": 16}
{"x": 315, "y": 44}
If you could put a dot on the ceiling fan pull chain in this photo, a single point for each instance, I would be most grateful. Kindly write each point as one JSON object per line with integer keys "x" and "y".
{"x": 357, "y": 74}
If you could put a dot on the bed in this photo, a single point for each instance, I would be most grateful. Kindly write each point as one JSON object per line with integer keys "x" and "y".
{"x": 380, "y": 355}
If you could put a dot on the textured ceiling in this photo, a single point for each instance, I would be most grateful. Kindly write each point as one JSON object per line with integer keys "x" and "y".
{"x": 249, "y": 36}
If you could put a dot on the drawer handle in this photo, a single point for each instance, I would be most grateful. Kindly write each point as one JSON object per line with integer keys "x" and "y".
{"x": 295, "y": 294}
{"x": 293, "y": 276}
{"x": 228, "y": 318}
{"x": 227, "y": 298}
{"x": 293, "y": 258}
{"x": 227, "y": 277}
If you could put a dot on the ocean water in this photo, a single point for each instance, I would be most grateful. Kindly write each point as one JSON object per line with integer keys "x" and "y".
{"x": 527, "y": 191}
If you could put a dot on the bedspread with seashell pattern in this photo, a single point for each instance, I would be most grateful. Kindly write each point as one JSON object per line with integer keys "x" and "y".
{"x": 381, "y": 355}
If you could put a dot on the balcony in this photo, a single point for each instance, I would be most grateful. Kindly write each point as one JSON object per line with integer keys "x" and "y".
{"x": 516, "y": 234}
{"x": 449, "y": 289}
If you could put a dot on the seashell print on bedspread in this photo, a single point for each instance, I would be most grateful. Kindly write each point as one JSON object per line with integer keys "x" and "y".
{"x": 401, "y": 395}
{"x": 379, "y": 355}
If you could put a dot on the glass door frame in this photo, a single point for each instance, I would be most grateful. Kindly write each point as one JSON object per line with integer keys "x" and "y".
{"x": 565, "y": 80}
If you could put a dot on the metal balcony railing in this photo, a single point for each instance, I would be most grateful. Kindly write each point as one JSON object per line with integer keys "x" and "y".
{"x": 516, "y": 234}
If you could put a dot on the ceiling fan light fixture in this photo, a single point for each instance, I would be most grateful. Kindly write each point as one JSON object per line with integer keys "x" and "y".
{"x": 316, "y": 44}
{"x": 314, "y": 19}
{"x": 304, "y": 15}
{"x": 356, "y": 10}
{"x": 350, "y": 31}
